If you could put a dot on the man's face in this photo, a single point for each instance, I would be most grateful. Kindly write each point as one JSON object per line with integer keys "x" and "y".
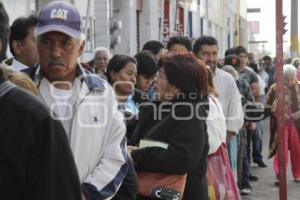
{"x": 101, "y": 59}
{"x": 244, "y": 60}
{"x": 30, "y": 50}
{"x": 267, "y": 62}
{"x": 58, "y": 55}
{"x": 209, "y": 55}
{"x": 250, "y": 56}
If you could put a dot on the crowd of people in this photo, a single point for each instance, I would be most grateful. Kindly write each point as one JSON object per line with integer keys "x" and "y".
{"x": 89, "y": 130}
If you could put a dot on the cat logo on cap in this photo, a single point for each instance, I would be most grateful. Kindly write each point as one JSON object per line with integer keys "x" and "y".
{"x": 59, "y": 14}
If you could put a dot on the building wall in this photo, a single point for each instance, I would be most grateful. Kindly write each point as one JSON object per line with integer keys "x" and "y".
{"x": 231, "y": 23}
{"x": 196, "y": 24}
{"x": 17, "y": 8}
{"x": 173, "y": 7}
{"x": 150, "y": 21}
{"x": 125, "y": 11}
{"x": 102, "y": 15}
{"x": 243, "y": 8}
{"x": 244, "y": 34}
{"x": 223, "y": 19}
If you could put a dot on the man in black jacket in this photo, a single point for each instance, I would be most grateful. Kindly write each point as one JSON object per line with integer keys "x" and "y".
{"x": 36, "y": 162}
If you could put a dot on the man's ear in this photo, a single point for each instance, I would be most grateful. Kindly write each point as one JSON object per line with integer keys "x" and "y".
{"x": 17, "y": 47}
{"x": 81, "y": 48}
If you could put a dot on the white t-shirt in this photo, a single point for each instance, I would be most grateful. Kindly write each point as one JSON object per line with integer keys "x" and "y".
{"x": 62, "y": 107}
{"x": 216, "y": 125}
{"x": 18, "y": 66}
{"x": 230, "y": 99}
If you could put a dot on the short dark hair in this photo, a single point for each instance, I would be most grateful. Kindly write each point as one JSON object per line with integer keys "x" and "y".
{"x": 187, "y": 73}
{"x": 19, "y": 29}
{"x": 116, "y": 64}
{"x": 153, "y": 46}
{"x": 146, "y": 64}
{"x": 241, "y": 49}
{"x": 267, "y": 58}
{"x": 4, "y": 31}
{"x": 254, "y": 66}
{"x": 185, "y": 41}
{"x": 230, "y": 51}
{"x": 204, "y": 40}
{"x": 233, "y": 60}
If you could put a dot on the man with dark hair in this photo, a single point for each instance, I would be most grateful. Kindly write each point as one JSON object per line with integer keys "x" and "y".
{"x": 246, "y": 71}
{"x": 254, "y": 133}
{"x": 206, "y": 49}
{"x": 179, "y": 44}
{"x": 156, "y": 47}
{"x": 146, "y": 70}
{"x": 230, "y": 51}
{"x": 243, "y": 167}
{"x": 22, "y": 43}
{"x": 4, "y": 32}
{"x": 270, "y": 69}
{"x": 204, "y": 40}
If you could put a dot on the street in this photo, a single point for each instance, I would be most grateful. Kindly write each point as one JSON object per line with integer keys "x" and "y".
{"x": 264, "y": 189}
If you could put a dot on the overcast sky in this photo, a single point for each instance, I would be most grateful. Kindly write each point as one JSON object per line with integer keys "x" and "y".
{"x": 267, "y": 21}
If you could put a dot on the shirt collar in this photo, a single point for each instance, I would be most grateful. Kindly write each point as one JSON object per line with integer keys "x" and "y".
{"x": 93, "y": 81}
{"x": 18, "y": 66}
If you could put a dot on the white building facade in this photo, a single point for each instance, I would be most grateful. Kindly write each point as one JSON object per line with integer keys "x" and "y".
{"x": 125, "y": 25}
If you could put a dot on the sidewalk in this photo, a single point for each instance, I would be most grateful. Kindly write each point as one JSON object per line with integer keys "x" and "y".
{"x": 264, "y": 189}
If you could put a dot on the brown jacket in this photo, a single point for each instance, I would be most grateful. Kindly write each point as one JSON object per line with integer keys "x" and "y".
{"x": 271, "y": 96}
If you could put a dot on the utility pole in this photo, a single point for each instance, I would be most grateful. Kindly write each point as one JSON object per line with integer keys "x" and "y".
{"x": 294, "y": 29}
{"x": 280, "y": 104}
{"x": 87, "y": 17}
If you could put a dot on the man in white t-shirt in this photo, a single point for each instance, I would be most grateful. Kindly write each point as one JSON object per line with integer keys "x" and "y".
{"x": 206, "y": 49}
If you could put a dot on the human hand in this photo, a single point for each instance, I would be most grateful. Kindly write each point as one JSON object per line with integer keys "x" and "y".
{"x": 296, "y": 115}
